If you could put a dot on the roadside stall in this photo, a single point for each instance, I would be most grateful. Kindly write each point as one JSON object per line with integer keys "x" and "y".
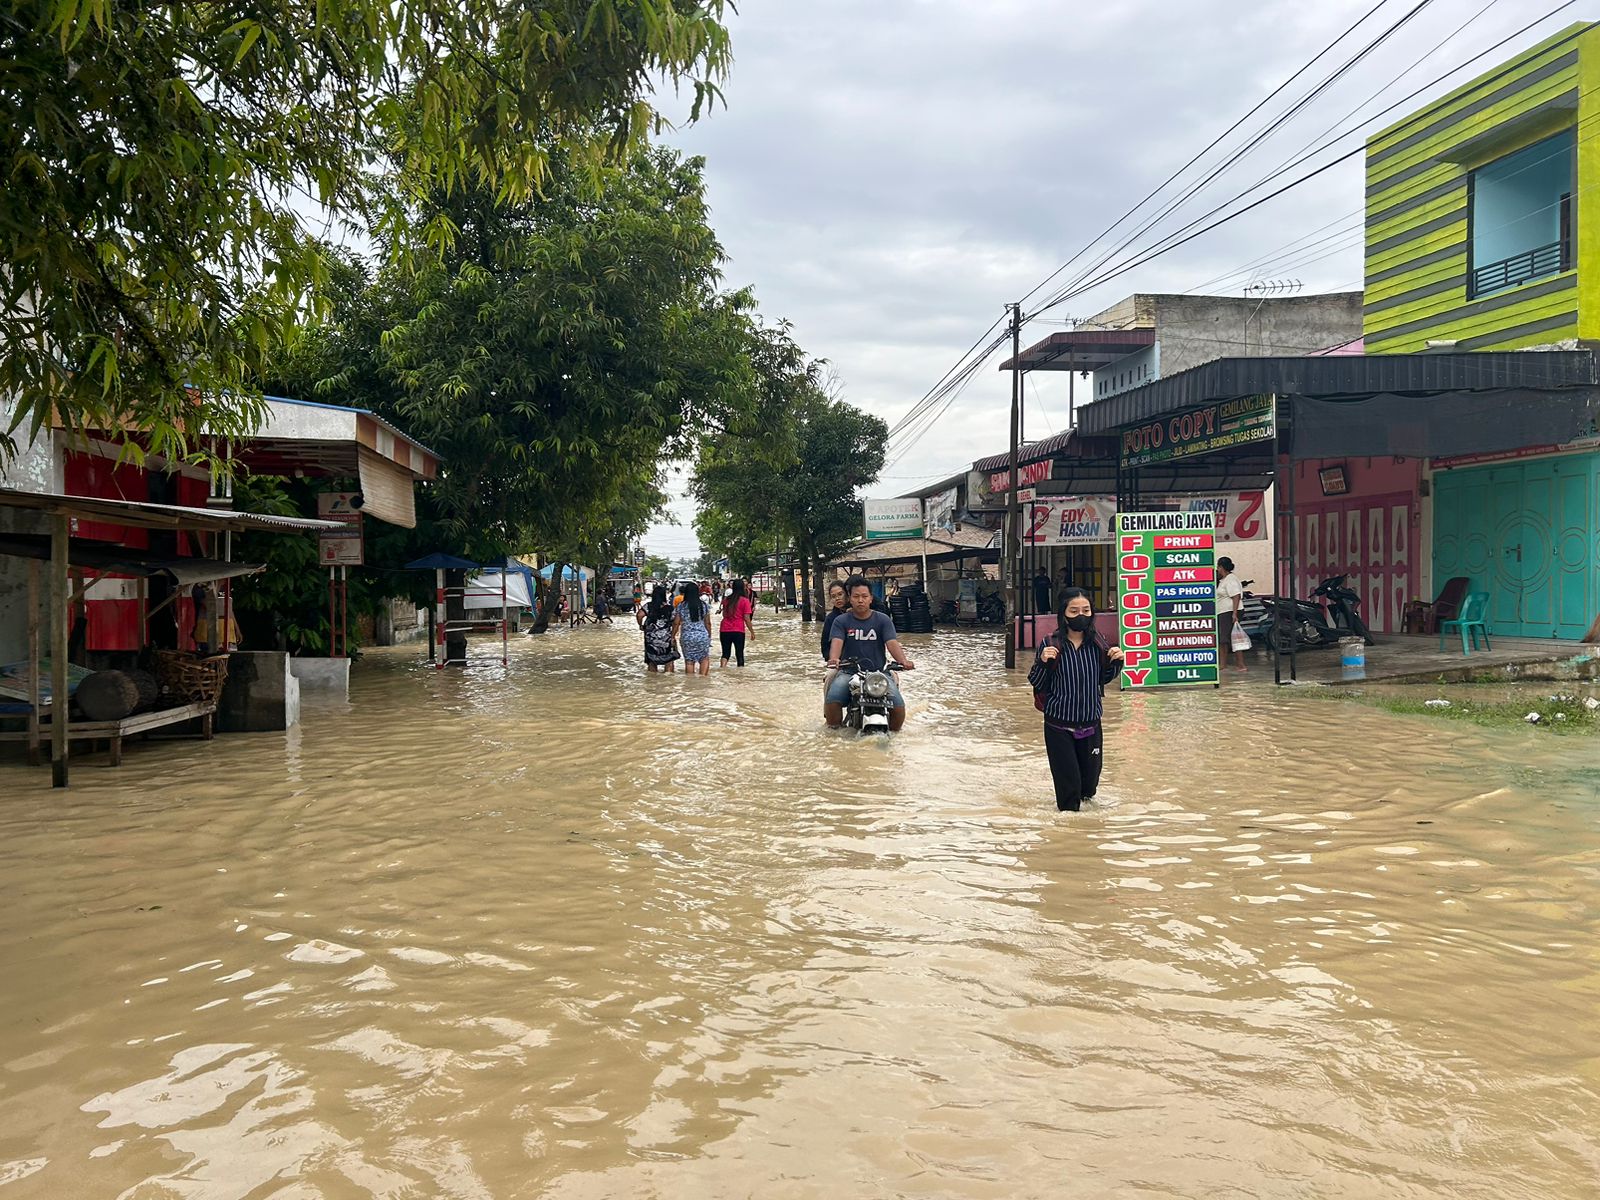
{"x": 113, "y": 705}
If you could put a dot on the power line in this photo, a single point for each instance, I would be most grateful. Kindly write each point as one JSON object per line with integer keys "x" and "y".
{"x": 1254, "y": 143}
{"x": 913, "y": 411}
{"x": 1159, "y": 248}
{"x": 1206, "y": 150}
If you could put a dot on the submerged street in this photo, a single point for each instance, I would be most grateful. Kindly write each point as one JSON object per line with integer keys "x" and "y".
{"x": 570, "y": 930}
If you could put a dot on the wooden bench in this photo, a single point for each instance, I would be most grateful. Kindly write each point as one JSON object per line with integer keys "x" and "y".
{"x": 114, "y": 731}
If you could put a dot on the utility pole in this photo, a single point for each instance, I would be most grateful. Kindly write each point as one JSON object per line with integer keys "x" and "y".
{"x": 1010, "y": 542}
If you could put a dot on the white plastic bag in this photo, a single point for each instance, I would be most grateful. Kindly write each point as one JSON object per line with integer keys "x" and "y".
{"x": 1241, "y": 639}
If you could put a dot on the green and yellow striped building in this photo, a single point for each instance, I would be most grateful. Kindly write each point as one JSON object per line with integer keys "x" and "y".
{"x": 1483, "y": 209}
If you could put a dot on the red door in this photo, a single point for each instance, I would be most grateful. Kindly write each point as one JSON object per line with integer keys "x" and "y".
{"x": 1372, "y": 539}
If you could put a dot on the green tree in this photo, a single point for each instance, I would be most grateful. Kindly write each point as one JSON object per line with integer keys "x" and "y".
{"x": 556, "y": 357}
{"x": 800, "y": 483}
{"x": 158, "y": 157}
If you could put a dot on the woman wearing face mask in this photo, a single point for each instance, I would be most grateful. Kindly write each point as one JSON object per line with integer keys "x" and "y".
{"x": 1070, "y": 671}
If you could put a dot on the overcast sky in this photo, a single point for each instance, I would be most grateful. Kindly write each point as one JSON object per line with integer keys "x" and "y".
{"x": 888, "y": 175}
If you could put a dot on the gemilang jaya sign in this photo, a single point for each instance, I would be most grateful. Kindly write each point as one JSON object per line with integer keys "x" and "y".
{"x": 1166, "y": 588}
{"x": 1200, "y": 431}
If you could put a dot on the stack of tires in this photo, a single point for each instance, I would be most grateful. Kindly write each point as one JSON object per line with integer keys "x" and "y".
{"x": 910, "y": 610}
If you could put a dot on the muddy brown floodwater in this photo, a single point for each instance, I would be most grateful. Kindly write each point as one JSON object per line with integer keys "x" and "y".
{"x": 566, "y": 930}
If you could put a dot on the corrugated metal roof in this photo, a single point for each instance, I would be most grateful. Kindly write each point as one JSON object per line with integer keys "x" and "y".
{"x": 1336, "y": 377}
{"x": 144, "y": 515}
{"x": 365, "y": 412}
{"x": 1069, "y": 443}
{"x": 969, "y": 539}
{"x": 107, "y": 558}
{"x": 1082, "y": 349}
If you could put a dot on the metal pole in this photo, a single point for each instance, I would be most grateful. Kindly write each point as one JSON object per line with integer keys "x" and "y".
{"x": 1009, "y": 551}
{"x": 440, "y": 621}
{"x": 504, "y": 660}
{"x": 1279, "y": 543}
{"x": 34, "y": 701}
{"x": 1072, "y": 359}
{"x": 60, "y": 702}
{"x": 1294, "y": 642}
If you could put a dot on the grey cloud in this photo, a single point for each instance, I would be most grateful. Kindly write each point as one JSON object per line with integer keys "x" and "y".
{"x": 888, "y": 175}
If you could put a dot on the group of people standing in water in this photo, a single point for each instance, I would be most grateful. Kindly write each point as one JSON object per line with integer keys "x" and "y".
{"x": 1070, "y": 671}
{"x": 681, "y": 627}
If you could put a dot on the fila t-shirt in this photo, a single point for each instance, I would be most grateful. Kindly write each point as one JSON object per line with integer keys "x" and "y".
{"x": 867, "y": 640}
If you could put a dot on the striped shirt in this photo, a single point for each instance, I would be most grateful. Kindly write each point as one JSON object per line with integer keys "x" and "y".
{"x": 1073, "y": 684}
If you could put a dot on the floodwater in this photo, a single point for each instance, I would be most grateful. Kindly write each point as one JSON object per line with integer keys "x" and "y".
{"x": 566, "y": 930}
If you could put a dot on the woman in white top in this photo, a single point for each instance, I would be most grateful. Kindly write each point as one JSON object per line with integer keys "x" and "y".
{"x": 1230, "y": 596}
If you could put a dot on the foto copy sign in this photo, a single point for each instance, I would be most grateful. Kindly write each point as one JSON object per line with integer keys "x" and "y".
{"x": 1167, "y": 598}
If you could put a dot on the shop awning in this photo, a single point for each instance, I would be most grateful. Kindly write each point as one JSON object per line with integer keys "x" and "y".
{"x": 967, "y": 542}
{"x": 106, "y": 558}
{"x": 321, "y": 440}
{"x": 1069, "y": 443}
{"x": 1564, "y": 380}
{"x": 145, "y": 515}
{"x": 1082, "y": 349}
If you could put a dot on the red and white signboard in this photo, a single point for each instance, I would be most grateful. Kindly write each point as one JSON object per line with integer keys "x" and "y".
{"x": 339, "y": 547}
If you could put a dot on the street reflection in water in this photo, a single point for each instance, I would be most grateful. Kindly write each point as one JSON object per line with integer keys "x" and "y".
{"x": 569, "y": 930}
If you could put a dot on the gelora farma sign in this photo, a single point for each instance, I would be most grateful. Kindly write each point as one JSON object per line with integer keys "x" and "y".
{"x": 899, "y": 518}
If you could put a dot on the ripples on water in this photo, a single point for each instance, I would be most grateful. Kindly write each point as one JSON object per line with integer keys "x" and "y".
{"x": 569, "y": 930}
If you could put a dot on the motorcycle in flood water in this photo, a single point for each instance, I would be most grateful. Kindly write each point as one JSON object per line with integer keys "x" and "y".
{"x": 868, "y": 709}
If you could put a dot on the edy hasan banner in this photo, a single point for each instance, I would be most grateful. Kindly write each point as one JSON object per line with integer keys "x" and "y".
{"x": 1091, "y": 520}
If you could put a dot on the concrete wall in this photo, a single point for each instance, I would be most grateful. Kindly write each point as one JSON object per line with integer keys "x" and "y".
{"x": 1191, "y": 330}
{"x": 260, "y": 694}
{"x": 1197, "y": 329}
{"x": 1130, "y": 371}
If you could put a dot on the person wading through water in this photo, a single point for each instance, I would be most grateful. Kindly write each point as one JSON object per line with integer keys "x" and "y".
{"x": 1070, "y": 671}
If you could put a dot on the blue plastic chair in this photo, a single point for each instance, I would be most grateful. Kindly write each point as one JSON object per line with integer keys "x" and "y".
{"x": 1470, "y": 621}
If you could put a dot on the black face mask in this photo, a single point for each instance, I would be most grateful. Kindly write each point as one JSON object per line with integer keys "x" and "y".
{"x": 1080, "y": 624}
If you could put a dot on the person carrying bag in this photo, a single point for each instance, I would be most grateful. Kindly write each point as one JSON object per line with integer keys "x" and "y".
{"x": 1070, "y": 671}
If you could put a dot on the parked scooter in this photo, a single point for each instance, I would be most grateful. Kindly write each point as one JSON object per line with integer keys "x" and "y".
{"x": 868, "y": 709}
{"x": 1309, "y": 625}
{"x": 1344, "y": 605}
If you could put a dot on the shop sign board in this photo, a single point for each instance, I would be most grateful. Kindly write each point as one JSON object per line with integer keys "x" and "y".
{"x": 987, "y": 491}
{"x": 1241, "y": 516}
{"x": 1166, "y": 591}
{"x": 898, "y": 518}
{"x": 942, "y": 511}
{"x": 339, "y": 547}
{"x": 967, "y": 599}
{"x": 1091, "y": 520}
{"x": 1069, "y": 521}
{"x": 1219, "y": 426}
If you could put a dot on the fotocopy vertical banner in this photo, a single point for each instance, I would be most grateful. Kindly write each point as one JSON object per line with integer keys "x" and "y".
{"x": 1167, "y": 604}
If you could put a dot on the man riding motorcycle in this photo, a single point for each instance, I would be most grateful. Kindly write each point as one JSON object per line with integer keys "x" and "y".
{"x": 869, "y": 639}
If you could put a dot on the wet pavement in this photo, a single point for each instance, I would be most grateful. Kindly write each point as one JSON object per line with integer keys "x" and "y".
{"x": 1409, "y": 658}
{"x": 568, "y": 930}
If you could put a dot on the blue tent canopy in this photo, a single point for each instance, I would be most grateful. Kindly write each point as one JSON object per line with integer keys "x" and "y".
{"x": 441, "y": 562}
{"x": 567, "y": 573}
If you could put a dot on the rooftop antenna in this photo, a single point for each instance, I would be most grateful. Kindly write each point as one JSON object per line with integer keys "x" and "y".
{"x": 1266, "y": 289}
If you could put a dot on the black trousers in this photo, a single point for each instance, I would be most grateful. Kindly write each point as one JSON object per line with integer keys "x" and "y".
{"x": 1074, "y": 765}
{"x": 732, "y": 643}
